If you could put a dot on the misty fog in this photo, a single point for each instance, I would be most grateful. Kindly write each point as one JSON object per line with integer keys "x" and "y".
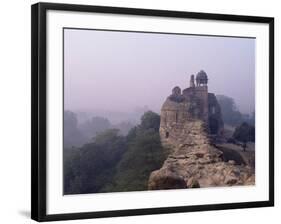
{"x": 119, "y": 75}
{"x": 115, "y": 84}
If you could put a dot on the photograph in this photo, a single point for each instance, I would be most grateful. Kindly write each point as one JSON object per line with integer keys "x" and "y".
{"x": 139, "y": 111}
{"x": 146, "y": 111}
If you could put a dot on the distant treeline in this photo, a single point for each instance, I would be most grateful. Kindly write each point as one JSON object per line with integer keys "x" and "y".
{"x": 113, "y": 162}
{"x": 76, "y": 134}
{"x": 230, "y": 113}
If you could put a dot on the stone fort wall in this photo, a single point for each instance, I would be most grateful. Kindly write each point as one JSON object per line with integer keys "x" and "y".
{"x": 180, "y": 110}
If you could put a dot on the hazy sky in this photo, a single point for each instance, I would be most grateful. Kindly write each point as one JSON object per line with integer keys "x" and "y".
{"x": 120, "y": 71}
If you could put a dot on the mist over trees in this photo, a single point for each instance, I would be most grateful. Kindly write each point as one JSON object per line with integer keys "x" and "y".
{"x": 144, "y": 155}
{"x": 90, "y": 128}
{"x": 89, "y": 168}
{"x": 112, "y": 161}
{"x": 78, "y": 133}
{"x": 230, "y": 113}
{"x": 124, "y": 127}
{"x": 244, "y": 133}
{"x": 72, "y": 134}
{"x": 115, "y": 117}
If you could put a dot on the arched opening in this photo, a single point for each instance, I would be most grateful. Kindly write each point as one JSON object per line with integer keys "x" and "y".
{"x": 167, "y": 134}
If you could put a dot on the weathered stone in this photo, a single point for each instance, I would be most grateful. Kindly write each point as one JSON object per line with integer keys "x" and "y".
{"x": 199, "y": 155}
{"x": 165, "y": 180}
{"x": 193, "y": 183}
{"x": 232, "y": 162}
{"x": 230, "y": 180}
{"x": 194, "y": 160}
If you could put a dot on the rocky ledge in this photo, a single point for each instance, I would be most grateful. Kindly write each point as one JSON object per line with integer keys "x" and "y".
{"x": 198, "y": 163}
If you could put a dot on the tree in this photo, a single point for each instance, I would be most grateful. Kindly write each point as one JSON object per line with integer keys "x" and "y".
{"x": 70, "y": 162}
{"x": 92, "y": 127}
{"x": 251, "y": 118}
{"x": 230, "y": 112}
{"x": 124, "y": 127}
{"x": 72, "y": 135}
{"x": 112, "y": 162}
{"x": 94, "y": 164}
{"x": 244, "y": 133}
{"x": 144, "y": 155}
{"x": 150, "y": 120}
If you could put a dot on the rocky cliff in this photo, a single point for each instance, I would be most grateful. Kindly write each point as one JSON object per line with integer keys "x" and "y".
{"x": 191, "y": 124}
{"x": 197, "y": 163}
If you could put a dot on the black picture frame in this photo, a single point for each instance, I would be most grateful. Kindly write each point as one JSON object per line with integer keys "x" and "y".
{"x": 39, "y": 122}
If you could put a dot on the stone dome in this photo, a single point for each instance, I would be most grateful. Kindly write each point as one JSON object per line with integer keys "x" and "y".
{"x": 176, "y": 91}
{"x": 201, "y": 78}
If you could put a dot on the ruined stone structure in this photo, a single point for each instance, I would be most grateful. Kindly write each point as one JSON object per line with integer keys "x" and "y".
{"x": 194, "y": 103}
{"x": 189, "y": 122}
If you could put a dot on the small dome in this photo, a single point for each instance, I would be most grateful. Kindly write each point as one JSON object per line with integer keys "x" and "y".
{"x": 201, "y": 77}
{"x": 176, "y": 91}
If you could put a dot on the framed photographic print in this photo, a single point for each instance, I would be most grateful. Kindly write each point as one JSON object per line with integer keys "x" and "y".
{"x": 140, "y": 111}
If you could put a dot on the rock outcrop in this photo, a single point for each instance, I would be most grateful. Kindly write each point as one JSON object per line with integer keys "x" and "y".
{"x": 191, "y": 123}
{"x": 197, "y": 163}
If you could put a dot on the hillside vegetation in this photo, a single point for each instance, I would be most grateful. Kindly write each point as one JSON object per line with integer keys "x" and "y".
{"x": 113, "y": 162}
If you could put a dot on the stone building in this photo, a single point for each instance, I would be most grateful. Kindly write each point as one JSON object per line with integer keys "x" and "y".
{"x": 190, "y": 120}
{"x": 182, "y": 108}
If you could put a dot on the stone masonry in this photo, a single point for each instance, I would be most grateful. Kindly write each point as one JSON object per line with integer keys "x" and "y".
{"x": 189, "y": 122}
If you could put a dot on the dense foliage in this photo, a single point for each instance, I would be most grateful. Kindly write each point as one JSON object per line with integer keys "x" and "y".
{"x": 244, "y": 133}
{"x": 230, "y": 113}
{"x": 92, "y": 127}
{"x": 145, "y": 154}
{"x": 113, "y": 162}
{"x": 88, "y": 169}
{"x": 76, "y": 134}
